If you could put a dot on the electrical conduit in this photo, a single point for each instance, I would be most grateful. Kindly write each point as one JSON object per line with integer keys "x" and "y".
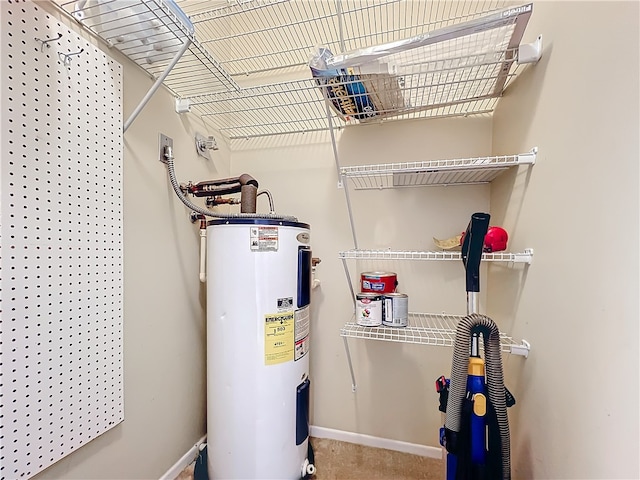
{"x": 168, "y": 154}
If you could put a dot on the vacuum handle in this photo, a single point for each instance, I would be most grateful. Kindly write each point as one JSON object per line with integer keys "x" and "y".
{"x": 472, "y": 249}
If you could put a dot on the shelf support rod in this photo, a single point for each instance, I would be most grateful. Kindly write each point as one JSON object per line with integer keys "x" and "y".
{"x": 346, "y": 344}
{"x": 156, "y": 85}
{"x": 341, "y": 178}
{"x": 348, "y": 199}
{"x": 346, "y": 272}
{"x": 353, "y": 377}
{"x": 340, "y": 25}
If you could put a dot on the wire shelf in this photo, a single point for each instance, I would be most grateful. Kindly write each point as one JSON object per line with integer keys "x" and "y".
{"x": 151, "y": 33}
{"x": 435, "y": 172}
{"x": 299, "y": 106}
{"x": 250, "y": 37}
{"x": 462, "y": 73}
{"x": 524, "y": 257}
{"x": 427, "y": 329}
{"x": 236, "y": 45}
{"x": 289, "y": 107}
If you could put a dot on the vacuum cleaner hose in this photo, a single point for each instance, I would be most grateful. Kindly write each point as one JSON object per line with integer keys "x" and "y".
{"x": 495, "y": 383}
{"x": 208, "y": 213}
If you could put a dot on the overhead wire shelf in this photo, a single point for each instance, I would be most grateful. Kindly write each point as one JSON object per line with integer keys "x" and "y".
{"x": 427, "y": 329}
{"x": 459, "y": 70}
{"x": 453, "y": 65}
{"x": 436, "y": 172}
{"x": 257, "y": 36}
{"x": 298, "y": 106}
{"x": 233, "y": 47}
{"x": 151, "y": 33}
{"x": 523, "y": 257}
{"x": 281, "y": 108}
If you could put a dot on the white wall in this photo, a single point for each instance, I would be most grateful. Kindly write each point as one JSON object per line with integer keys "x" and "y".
{"x": 164, "y": 323}
{"x": 395, "y": 397}
{"x": 577, "y": 410}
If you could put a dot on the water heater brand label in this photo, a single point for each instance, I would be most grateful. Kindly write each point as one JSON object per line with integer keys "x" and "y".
{"x": 263, "y": 239}
{"x": 302, "y": 332}
{"x": 278, "y": 338}
{"x": 285, "y": 304}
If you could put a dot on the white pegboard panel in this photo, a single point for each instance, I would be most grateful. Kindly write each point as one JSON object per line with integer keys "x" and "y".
{"x": 61, "y": 290}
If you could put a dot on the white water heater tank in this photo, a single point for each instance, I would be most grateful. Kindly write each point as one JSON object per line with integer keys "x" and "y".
{"x": 258, "y": 294}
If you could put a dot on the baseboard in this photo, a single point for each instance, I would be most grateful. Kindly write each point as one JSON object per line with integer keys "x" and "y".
{"x": 321, "y": 432}
{"x": 369, "y": 441}
{"x": 184, "y": 461}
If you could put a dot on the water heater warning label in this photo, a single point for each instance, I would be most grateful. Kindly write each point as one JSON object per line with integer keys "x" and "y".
{"x": 278, "y": 338}
{"x": 302, "y": 332}
{"x": 263, "y": 239}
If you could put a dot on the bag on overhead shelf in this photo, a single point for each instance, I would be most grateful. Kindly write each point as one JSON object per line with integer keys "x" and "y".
{"x": 368, "y": 95}
{"x": 450, "y": 70}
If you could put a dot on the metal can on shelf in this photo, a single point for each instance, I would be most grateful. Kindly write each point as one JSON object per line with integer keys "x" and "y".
{"x": 395, "y": 310}
{"x": 378, "y": 282}
{"x": 369, "y": 309}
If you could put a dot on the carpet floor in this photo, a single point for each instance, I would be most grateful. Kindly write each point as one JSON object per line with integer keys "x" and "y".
{"x": 336, "y": 460}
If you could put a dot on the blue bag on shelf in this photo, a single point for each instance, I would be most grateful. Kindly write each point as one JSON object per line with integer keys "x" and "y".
{"x": 345, "y": 92}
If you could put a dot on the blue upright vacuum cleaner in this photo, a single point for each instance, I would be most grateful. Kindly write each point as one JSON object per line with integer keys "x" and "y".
{"x": 474, "y": 399}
